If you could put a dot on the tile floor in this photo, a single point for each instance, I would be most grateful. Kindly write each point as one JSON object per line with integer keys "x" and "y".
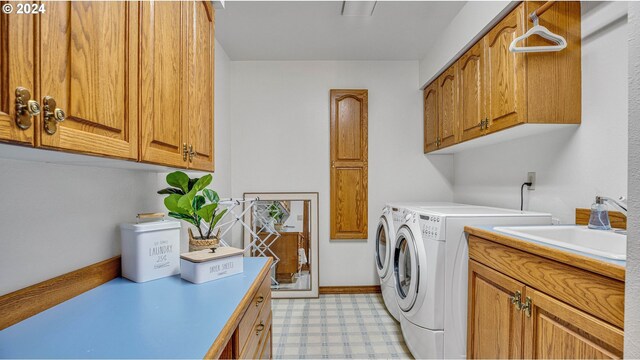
{"x": 336, "y": 327}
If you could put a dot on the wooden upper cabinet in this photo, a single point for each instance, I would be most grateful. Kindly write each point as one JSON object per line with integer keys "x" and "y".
{"x": 89, "y": 66}
{"x": 430, "y": 98}
{"x": 554, "y": 79}
{"x": 349, "y": 164}
{"x": 494, "y": 327}
{"x": 506, "y": 100}
{"x": 163, "y": 86}
{"x": 448, "y": 107}
{"x": 471, "y": 99}
{"x": 17, "y": 70}
{"x": 200, "y": 62}
{"x": 506, "y": 89}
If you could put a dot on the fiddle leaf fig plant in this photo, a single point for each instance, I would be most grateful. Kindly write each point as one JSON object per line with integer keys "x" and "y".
{"x": 189, "y": 200}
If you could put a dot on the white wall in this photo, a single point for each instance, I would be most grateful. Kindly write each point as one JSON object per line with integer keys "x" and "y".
{"x": 222, "y": 139}
{"x": 472, "y": 20}
{"x": 280, "y": 127}
{"x": 632, "y": 289}
{"x": 59, "y": 218}
{"x": 572, "y": 165}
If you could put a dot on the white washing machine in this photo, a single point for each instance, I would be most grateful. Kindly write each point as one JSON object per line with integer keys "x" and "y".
{"x": 393, "y": 214}
{"x": 430, "y": 269}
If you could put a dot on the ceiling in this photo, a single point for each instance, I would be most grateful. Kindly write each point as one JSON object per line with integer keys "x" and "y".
{"x": 315, "y": 30}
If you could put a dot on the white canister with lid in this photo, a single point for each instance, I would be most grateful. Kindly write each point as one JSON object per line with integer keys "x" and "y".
{"x": 150, "y": 250}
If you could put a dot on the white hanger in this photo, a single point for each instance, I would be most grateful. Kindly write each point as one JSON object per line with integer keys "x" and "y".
{"x": 542, "y": 31}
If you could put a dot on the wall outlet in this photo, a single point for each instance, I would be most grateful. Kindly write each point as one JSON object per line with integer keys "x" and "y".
{"x": 531, "y": 178}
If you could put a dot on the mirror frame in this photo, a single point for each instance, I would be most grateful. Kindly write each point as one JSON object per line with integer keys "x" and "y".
{"x": 314, "y": 244}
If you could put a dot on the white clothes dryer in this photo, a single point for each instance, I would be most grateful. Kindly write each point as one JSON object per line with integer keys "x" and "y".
{"x": 430, "y": 269}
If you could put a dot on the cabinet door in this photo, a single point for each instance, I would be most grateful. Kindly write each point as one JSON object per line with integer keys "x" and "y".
{"x": 200, "y": 58}
{"x": 349, "y": 168}
{"x": 163, "y": 125}
{"x": 17, "y": 69}
{"x": 430, "y": 97}
{"x": 471, "y": 92}
{"x": 494, "y": 324}
{"x": 505, "y": 73}
{"x": 555, "y": 330}
{"x": 88, "y": 64}
{"x": 448, "y": 107}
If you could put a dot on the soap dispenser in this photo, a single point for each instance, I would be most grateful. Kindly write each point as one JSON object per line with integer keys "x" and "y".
{"x": 599, "y": 218}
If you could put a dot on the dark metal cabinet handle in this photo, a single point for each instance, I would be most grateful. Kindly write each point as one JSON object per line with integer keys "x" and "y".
{"x": 52, "y": 115}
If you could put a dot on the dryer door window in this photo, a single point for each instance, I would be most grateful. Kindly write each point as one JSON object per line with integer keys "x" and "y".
{"x": 406, "y": 269}
{"x": 382, "y": 250}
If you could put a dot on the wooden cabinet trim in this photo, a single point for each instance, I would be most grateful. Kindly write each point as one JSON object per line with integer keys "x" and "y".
{"x": 598, "y": 295}
{"x": 430, "y": 118}
{"x": 609, "y": 270}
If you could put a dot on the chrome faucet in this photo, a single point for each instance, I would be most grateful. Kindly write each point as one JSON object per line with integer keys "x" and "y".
{"x": 599, "y": 218}
{"x": 620, "y": 204}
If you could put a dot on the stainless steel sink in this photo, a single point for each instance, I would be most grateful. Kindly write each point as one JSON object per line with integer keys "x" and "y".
{"x": 605, "y": 243}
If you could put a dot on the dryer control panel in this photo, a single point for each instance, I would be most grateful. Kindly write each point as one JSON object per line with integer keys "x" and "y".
{"x": 432, "y": 227}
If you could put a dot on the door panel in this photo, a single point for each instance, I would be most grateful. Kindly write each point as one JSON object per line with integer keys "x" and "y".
{"x": 505, "y": 73}
{"x": 162, "y": 58}
{"x": 349, "y": 168}
{"x": 89, "y": 66}
{"x": 430, "y": 97}
{"x": 556, "y": 330}
{"x": 200, "y": 99}
{"x": 448, "y": 107}
{"x": 17, "y": 69}
{"x": 494, "y": 327}
{"x": 471, "y": 93}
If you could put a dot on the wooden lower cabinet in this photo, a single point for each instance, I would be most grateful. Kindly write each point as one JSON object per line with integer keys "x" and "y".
{"x": 495, "y": 325}
{"x": 510, "y": 318}
{"x": 558, "y": 331}
{"x": 252, "y": 337}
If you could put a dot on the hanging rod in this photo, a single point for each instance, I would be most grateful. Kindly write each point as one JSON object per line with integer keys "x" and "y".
{"x": 541, "y": 10}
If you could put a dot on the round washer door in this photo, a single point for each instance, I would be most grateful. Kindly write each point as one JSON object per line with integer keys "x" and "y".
{"x": 406, "y": 269}
{"x": 383, "y": 247}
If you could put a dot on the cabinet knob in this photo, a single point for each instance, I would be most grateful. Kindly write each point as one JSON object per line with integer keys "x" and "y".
{"x": 260, "y": 327}
{"x": 25, "y": 108}
{"x": 184, "y": 152}
{"x": 52, "y": 115}
{"x": 260, "y": 300}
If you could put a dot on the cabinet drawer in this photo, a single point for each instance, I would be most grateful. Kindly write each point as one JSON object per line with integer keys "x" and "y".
{"x": 258, "y": 333}
{"x": 260, "y": 299}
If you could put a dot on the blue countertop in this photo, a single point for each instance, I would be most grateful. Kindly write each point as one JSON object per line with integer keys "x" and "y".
{"x": 600, "y": 258}
{"x": 164, "y": 318}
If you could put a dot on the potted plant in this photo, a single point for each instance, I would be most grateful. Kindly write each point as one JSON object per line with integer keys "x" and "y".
{"x": 276, "y": 214}
{"x": 189, "y": 200}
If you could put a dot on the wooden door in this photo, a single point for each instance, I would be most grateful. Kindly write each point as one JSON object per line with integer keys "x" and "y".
{"x": 88, "y": 63}
{"x": 430, "y": 97}
{"x": 163, "y": 118}
{"x": 200, "y": 58}
{"x": 471, "y": 92}
{"x": 349, "y": 157}
{"x": 17, "y": 70}
{"x": 494, "y": 325}
{"x": 448, "y": 107}
{"x": 505, "y": 83}
{"x": 555, "y": 330}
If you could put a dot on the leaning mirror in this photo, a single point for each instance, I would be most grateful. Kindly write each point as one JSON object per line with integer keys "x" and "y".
{"x": 284, "y": 226}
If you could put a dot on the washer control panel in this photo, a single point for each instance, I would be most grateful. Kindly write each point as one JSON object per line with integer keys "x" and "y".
{"x": 432, "y": 227}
